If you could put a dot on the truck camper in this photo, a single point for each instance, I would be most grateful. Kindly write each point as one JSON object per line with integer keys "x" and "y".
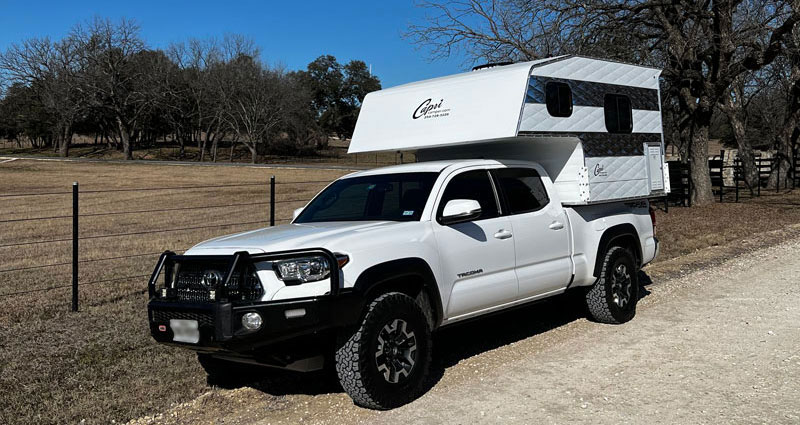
{"x": 532, "y": 180}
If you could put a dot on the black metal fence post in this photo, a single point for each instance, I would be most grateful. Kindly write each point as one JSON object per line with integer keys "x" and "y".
{"x": 272, "y": 201}
{"x": 75, "y": 246}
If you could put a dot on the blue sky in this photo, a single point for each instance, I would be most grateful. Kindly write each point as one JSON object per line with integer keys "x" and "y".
{"x": 292, "y": 33}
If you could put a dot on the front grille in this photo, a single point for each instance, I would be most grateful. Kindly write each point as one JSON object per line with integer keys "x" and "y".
{"x": 161, "y": 316}
{"x": 190, "y": 286}
{"x": 193, "y": 295}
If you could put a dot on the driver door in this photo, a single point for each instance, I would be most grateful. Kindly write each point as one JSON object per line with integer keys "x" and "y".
{"x": 477, "y": 257}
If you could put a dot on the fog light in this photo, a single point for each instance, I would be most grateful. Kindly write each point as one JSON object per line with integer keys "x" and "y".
{"x": 251, "y": 321}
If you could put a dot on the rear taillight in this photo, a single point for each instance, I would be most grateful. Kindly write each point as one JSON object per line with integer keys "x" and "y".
{"x": 653, "y": 219}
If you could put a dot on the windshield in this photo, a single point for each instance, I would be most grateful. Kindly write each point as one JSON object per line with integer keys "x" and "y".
{"x": 382, "y": 197}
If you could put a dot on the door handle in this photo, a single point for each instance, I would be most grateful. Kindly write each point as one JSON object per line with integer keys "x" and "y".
{"x": 556, "y": 225}
{"x": 502, "y": 234}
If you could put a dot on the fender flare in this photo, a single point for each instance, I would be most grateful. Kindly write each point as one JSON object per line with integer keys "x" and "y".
{"x": 613, "y": 234}
{"x": 385, "y": 274}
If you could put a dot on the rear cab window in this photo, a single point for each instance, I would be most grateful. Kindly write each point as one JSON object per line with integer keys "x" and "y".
{"x": 521, "y": 189}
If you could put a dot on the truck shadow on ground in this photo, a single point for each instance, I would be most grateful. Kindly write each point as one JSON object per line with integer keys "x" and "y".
{"x": 452, "y": 344}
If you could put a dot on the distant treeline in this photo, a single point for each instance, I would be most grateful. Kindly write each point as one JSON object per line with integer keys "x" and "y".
{"x": 103, "y": 81}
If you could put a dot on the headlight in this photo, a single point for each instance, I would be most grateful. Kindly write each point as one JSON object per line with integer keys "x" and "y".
{"x": 305, "y": 269}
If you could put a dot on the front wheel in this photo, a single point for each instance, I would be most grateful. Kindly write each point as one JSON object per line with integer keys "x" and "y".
{"x": 614, "y": 295}
{"x": 384, "y": 362}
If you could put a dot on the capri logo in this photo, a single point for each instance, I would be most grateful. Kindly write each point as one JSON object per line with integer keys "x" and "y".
{"x": 427, "y": 109}
{"x": 600, "y": 171}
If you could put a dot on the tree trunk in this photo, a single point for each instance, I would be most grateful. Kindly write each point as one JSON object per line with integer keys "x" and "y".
{"x": 746, "y": 156}
{"x": 66, "y": 141}
{"x": 782, "y": 167}
{"x": 125, "y": 135}
{"x": 698, "y": 154}
{"x": 214, "y": 146}
{"x": 785, "y": 138}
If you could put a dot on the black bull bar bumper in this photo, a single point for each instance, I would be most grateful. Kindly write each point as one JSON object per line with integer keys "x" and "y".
{"x": 219, "y": 322}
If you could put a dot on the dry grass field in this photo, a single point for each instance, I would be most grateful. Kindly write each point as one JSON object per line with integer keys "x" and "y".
{"x": 100, "y": 364}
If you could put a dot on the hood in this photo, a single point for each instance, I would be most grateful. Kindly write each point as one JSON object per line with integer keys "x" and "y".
{"x": 284, "y": 237}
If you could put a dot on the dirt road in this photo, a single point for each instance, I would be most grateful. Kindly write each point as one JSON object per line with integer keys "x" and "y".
{"x": 719, "y": 345}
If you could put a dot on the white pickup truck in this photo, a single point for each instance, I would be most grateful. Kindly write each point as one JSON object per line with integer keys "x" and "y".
{"x": 380, "y": 259}
{"x": 532, "y": 179}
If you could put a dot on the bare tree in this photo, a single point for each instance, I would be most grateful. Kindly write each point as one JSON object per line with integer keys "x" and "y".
{"x": 114, "y": 77}
{"x": 736, "y": 107}
{"x": 51, "y": 70}
{"x": 256, "y": 109}
{"x": 787, "y": 134}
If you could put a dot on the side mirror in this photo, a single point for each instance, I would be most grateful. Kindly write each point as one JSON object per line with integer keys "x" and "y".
{"x": 296, "y": 213}
{"x": 460, "y": 210}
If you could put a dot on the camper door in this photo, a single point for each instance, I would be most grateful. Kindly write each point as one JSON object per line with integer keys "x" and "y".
{"x": 655, "y": 166}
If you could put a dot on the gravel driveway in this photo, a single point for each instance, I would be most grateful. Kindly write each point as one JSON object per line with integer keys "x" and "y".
{"x": 719, "y": 345}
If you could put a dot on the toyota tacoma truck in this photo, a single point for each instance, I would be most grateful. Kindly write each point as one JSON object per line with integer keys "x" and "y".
{"x": 381, "y": 259}
{"x": 532, "y": 179}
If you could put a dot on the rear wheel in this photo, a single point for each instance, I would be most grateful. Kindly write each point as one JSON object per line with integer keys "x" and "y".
{"x": 384, "y": 362}
{"x": 614, "y": 295}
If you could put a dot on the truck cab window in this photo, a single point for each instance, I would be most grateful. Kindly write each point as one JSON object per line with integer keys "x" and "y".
{"x": 522, "y": 189}
{"x": 471, "y": 185}
{"x": 558, "y": 97}
{"x": 619, "y": 116}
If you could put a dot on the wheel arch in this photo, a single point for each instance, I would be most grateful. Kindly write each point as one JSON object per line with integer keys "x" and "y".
{"x": 410, "y": 276}
{"x": 624, "y": 235}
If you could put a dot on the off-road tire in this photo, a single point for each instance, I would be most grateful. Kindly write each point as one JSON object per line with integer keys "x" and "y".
{"x": 224, "y": 373}
{"x": 600, "y": 298}
{"x": 356, "y": 354}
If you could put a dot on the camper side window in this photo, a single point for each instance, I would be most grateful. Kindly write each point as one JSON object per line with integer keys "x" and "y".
{"x": 558, "y": 97}
{"x": 619, "y": 117}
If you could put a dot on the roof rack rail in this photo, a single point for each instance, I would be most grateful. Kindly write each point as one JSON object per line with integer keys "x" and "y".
{"x": 491, "y": 65}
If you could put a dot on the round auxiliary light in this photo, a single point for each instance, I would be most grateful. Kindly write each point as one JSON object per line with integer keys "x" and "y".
{"x": 251, "y": 321}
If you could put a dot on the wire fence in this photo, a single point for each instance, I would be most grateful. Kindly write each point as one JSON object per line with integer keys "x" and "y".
{"x": 274, "y": 193}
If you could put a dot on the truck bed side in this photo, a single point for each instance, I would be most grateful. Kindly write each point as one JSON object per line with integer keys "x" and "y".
{"x": 589, "y": 223}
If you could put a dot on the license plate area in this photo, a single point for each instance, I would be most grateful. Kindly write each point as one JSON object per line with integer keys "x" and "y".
{"x": 187, "y": 331}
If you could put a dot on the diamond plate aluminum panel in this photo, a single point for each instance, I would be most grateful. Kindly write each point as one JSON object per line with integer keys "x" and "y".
{"x": 605, "y": 191}
{"x": 584, "y": 118}
{"x": 601, "y": 71}
{"x": 605, "y": 144}
{"x": 646, "y": 121}
{"x": 535, "y": 118}
{"x": 616, "y": 168}
{"x": 589, "y": 93}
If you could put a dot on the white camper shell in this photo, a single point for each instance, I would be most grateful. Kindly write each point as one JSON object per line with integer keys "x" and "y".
{"x": 594, "y": 125}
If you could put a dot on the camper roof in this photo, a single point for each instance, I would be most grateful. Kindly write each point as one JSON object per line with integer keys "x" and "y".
{"x": 475, "y": 106}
